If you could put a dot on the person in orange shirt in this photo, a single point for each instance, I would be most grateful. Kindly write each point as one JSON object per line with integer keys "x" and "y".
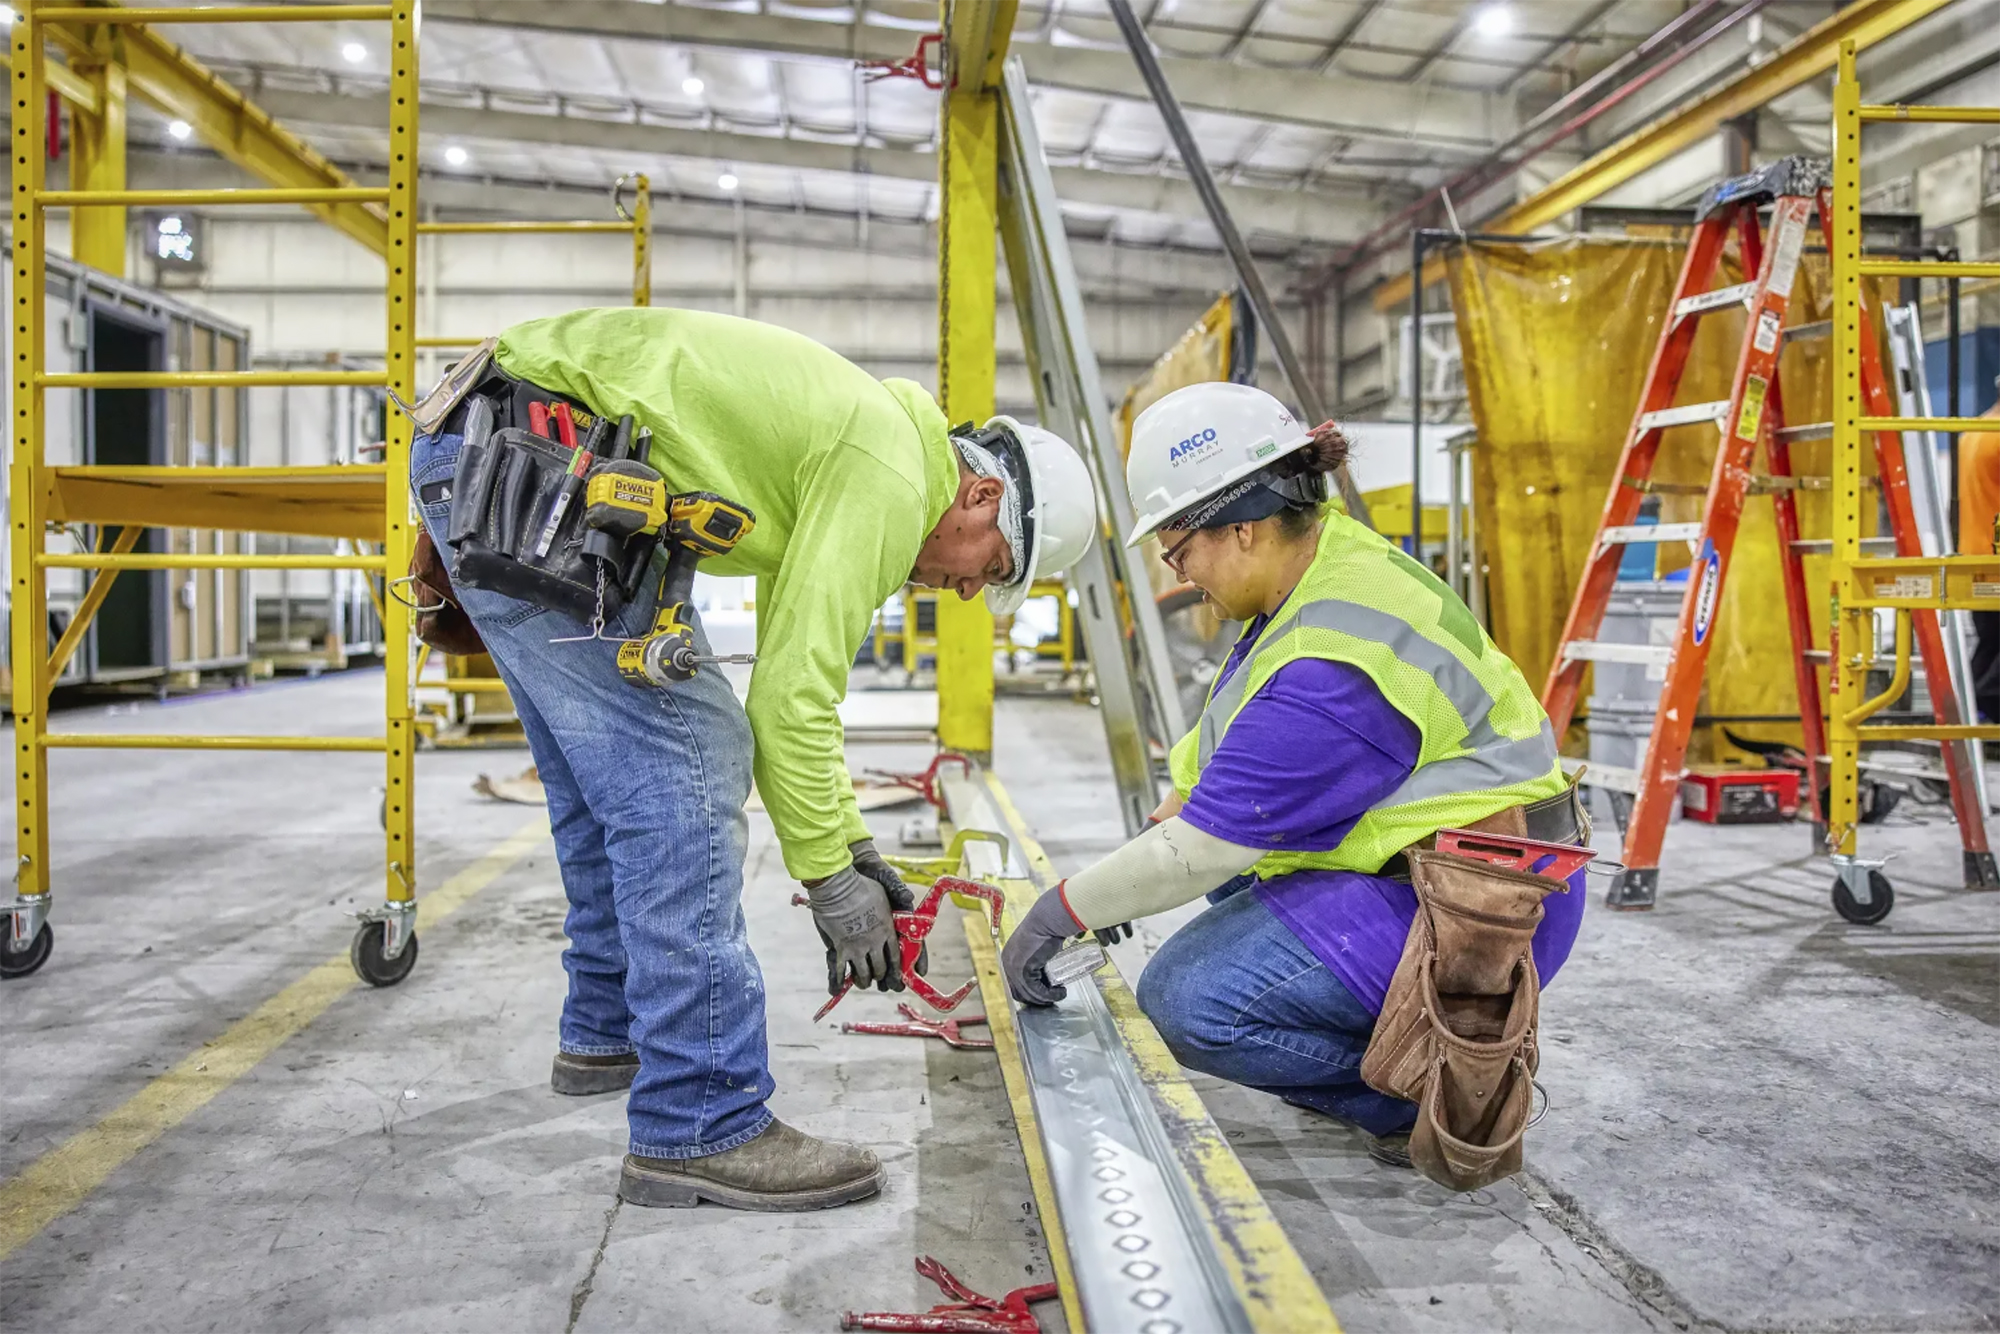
{"x": 1978, "y": 504}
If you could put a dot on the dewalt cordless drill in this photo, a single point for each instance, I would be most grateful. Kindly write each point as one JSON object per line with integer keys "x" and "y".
{"x": 624, "y": 498}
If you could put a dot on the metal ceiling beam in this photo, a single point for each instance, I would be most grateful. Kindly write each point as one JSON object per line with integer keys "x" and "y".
{"x": 1807, "y": 57}
{"x": 1444, "y": 44}
{"x": 1563, "y": 40}
{"x": 1371, "y": 109}
{"x": 1327, "y": 217}
{"x": 160, "y": 73}
{"x": 830, "y": 230}
{"x": 1355, "y": 23}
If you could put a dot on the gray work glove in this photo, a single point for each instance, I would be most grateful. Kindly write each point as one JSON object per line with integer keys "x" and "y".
{"x": 1108, "y": 936}
{"x": 901, "y": 897}
{"x": 1043, "y": 930}
{"x": 853, "y": 916}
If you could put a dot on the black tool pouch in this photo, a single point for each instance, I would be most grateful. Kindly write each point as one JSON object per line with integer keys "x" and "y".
{"x": 502, "y": 493}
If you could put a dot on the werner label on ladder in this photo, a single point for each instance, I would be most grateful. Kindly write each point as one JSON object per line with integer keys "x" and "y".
{"x": 1794, "y": 190}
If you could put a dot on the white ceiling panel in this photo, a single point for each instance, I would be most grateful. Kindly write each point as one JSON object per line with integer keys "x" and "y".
{"x": 703, "y": 87}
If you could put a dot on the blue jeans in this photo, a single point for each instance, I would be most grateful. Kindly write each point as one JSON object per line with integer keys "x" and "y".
{"x": 646, "y": 792}
{"x": 1237, "y": 995}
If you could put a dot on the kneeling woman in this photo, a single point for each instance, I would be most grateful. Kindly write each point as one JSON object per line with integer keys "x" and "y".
{"x": 1362, "y": 710}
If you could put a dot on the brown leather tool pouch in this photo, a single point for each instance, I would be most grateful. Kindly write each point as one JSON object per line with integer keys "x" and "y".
{"x": 436, "y": 616}
{"x": 1457, "y": 1030}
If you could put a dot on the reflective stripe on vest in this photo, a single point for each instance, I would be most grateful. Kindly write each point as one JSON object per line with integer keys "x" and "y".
{"x": 1454, "y": 678}
{"x": 1469, "y": 776}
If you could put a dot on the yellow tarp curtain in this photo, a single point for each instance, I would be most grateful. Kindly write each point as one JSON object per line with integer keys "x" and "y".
{"x": 1199, "y": 356}
{"x": 1556, "y": 340}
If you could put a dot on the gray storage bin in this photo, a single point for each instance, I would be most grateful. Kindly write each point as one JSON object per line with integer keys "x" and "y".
{"x": 1639, "y": 612}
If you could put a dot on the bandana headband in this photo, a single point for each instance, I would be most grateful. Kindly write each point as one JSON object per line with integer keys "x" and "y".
{"x": 983, "y": 464}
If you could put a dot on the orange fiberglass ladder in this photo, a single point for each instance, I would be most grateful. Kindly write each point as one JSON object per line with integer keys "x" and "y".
{"x": 1794, "y": 189}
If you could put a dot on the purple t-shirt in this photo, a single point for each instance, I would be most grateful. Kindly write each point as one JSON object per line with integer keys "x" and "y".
{"x": 1304, "y": 759}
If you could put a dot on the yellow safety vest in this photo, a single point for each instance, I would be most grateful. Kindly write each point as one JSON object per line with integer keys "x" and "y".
{"x": 1486, "y": 745}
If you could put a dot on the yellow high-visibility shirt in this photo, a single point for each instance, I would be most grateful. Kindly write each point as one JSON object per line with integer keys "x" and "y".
{"x": 846, "y": 474}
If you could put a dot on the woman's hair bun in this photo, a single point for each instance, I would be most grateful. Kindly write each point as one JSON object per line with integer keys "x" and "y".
{"x": 1326, "y": 452}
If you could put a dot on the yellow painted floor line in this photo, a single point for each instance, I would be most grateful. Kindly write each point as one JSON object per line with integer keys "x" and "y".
{"x": 64, "y": 1177}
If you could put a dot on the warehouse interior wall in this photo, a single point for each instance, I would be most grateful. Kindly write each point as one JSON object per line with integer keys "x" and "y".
{"x": 869, "y": 293}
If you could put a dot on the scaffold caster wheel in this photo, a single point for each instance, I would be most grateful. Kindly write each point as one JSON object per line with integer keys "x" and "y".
{"x": 370, "y": 966}
{"x": 1881, "y": 898}
{"x": 19, "y": 963}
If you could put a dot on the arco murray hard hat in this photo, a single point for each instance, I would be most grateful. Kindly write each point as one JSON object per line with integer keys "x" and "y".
{"x": 1199, "y": 441}
{"x": 1057, "y": 515}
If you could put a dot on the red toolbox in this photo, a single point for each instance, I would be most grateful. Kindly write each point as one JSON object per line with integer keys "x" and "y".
{"x": 1740, "y": 796}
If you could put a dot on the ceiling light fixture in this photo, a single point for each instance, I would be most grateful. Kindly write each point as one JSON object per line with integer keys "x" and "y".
{"x": 179, "y": 129}
{"x": 1494, "y": 21}
{"x": 692, "y": 86}
{"x": 455, "y": 155}
{"x": 727, "y": 180}
{"x": 355, "y": 53}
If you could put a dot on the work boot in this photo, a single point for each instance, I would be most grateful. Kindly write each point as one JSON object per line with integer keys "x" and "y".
{"x": 1391, "y": 1150}
{"x": 781, "y": 1171}
{"x": 579, "y": 1075}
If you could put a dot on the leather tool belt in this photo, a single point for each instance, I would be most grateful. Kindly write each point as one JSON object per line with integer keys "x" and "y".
{"x": 1457, "y": 1031}
{"x": 516, "y": 523}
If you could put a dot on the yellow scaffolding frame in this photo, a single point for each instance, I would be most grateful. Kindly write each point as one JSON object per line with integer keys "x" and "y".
{"x": 1904, "y": 585}
{"x": 305, "y": 500}
{"x": 638, "y": 221}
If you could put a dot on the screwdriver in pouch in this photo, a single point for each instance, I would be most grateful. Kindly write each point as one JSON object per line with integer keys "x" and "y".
{"x": 579, "y": 464}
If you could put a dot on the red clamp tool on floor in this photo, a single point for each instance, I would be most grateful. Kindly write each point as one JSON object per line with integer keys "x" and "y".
{"x": 925, "y": 783}
{"x": 951, "y": 1031}
{"x": 970, "y": 1314}
{"x": 913, "y": 926}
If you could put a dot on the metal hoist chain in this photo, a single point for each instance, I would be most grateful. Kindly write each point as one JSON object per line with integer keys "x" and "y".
{"x": 949, "y": 73}
{"x": 945, "y": 350}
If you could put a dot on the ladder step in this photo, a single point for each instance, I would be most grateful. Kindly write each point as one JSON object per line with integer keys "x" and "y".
{"x": 1716, "y": 300}
{"x": 1818, "y": 655}
{"x": 1650, "y": 532}
{"x": 1610, "y": 777}
{"x": 1810, "y": 431}
{"x": 1761, "y": 484}
{"x": 1823, "y": 546}
{"x": 1684, "y": 415}
{"x": 1799, "y": 333}
{"x": 1597, "y": 650}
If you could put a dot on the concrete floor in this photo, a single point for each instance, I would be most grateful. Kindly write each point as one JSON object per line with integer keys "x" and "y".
{"x": 401, "y": 1163}
{"x": 1762, "y": 1117}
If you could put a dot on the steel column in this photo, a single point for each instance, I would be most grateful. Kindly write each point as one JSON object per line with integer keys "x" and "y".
{"x": 1853, "y": 626}
{"x": 97, "y": 162}
{"x": 29, "y": 613}
{"x": 968, "y": 220}
{"x": 642, "y": 241}
{"x": 399, "y": 803}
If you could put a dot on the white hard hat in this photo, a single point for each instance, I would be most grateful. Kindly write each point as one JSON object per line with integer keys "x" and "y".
{"x": 1196, "y": 441}
{"x": 1059, "y": 516}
